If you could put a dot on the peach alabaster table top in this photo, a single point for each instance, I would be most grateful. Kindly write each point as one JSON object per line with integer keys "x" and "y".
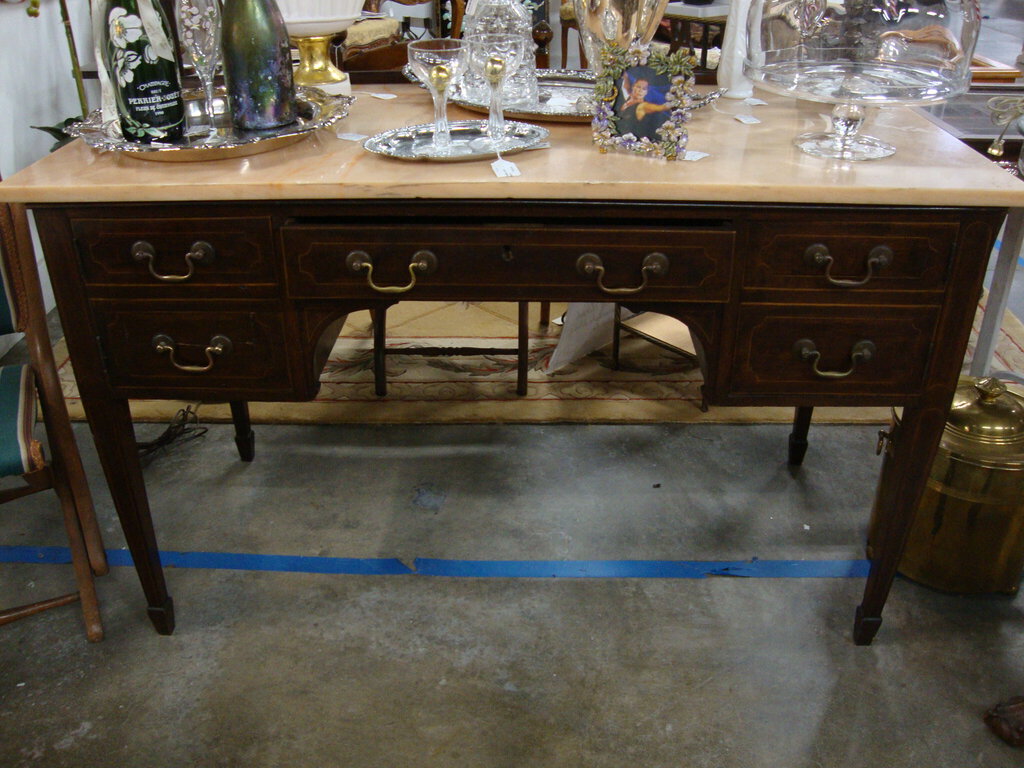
{"x": 747, "y": 163}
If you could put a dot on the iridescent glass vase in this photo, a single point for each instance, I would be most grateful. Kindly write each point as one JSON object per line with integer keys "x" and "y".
{"x": 257, "y": 65}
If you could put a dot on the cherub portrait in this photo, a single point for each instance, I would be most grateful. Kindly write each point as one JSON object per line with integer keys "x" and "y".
{"x": 640, "y": 104}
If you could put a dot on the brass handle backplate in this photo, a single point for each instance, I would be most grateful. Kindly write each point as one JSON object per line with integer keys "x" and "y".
{"x": 817, "y": 255}
{"x": 423, "y": 261}
{"x": 807, "y": 351}
{"x": 654, "y": 264}
{"x": 201, "y": 252}
{"x": 219, "y": 345}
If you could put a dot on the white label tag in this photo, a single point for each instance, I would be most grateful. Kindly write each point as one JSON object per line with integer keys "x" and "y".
{"x": 505, "y": 168}
{"x": 747, "y": 119}
{"x": 384, "y": 96}
{"x": 693, "y": 155}
{"x": 351, "y": 136}
{"x": 755, "y": 102}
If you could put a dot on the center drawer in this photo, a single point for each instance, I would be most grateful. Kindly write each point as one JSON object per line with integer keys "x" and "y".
{"x": 433, "y": 262}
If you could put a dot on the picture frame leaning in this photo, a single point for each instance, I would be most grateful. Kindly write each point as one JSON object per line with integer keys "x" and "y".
{"x": 643, "y": 99}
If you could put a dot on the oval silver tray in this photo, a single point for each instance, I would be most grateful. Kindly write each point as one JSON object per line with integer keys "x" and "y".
{"x": 413, "y": 142}
{"x": 316, "y": 110}
{"x": 566, "y": 96}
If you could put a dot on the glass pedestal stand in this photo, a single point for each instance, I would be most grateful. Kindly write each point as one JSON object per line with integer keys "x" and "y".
{"x": 844, "y": 141}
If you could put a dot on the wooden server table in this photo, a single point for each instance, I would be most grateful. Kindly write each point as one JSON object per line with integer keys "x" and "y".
{"x": 786, "y": 268}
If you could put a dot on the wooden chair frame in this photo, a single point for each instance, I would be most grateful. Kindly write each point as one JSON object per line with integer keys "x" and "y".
{"x": 64, "y": 472}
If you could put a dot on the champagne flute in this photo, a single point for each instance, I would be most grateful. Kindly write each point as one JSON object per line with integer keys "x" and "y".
{"x": 496, "y": 57}
{"x": 437, "y": 63}
{"x": 199, "y": 25}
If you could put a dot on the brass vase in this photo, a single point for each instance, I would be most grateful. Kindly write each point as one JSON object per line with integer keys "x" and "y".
{"x": 623, "y": 22}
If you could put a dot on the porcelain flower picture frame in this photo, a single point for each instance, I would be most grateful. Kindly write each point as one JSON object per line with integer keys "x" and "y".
{"x": 643, "y": 99}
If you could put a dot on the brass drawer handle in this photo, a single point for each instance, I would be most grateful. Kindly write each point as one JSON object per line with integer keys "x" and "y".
{"x": 219, "y": 345}
{"x": 817, "y": 255}
{"x": 862, "y": 351}
{"x": 423, "y": 261}
{"x": 201, "y": 251}
{"x": 655, "y": 264}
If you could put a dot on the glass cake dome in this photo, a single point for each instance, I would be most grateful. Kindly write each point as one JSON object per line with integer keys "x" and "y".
{"x": 857, "y": 54}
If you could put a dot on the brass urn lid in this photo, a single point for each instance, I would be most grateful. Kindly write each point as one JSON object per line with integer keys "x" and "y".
{"x": 985, "y": 422}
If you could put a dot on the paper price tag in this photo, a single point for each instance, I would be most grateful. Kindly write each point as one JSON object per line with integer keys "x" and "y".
{"x": 747, "y": 119}
{"x": 503, "y": 167}
{"x": 755, "y": 102}
{"x": 351, "y": 136}
{"x": 384, "y": 96}
{"x": 693, "y": 155}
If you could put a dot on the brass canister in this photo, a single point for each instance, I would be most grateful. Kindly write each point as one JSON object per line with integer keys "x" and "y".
{"x": 968, "y": 535}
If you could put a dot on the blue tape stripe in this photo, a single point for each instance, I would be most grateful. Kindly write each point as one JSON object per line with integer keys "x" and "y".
{"x": 223, "y": 561}
{"x": 506, "y": 569}
{"x": 49, "y": 555}
{"x": 643, "y": 569}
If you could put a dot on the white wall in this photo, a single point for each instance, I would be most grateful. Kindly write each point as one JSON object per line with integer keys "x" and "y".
{"x": 36, "y": 87}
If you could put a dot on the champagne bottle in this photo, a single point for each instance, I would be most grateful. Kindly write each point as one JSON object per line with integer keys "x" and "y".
{"x": 138, "y": 52}
{"x": 257, "y": 64}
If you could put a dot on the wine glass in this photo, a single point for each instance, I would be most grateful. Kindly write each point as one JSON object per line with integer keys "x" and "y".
{"x": 437, "y": 63}
{"x": 857, "y": 54}
{"x": 199, "y": 26}
{"x": 496, "y": 57}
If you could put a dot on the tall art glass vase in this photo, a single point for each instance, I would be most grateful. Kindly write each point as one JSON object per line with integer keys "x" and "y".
{"x": 257, "y": 65}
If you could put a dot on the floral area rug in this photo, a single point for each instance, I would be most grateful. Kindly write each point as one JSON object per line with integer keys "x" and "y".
{"x": 652, "y": 384}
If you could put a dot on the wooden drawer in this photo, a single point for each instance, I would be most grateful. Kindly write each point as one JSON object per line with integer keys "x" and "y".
{"x": 492, "y": 261}
{"x": 165, "y": 351}
{"x": 850, "y": 260}
{"x": 151, "y": 257}
{"x": 766, "y": 358}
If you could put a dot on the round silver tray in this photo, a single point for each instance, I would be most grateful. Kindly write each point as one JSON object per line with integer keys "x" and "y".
{"x": 413, "y": 142}
{"x": 565, "y": 96}
{"x": 316, "y": 109}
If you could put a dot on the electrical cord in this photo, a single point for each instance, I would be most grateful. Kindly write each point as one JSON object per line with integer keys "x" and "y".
{"x": 183, "y": 427}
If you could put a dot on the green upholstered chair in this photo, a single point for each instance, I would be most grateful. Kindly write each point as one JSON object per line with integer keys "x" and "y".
{"x": 21, "y": 455}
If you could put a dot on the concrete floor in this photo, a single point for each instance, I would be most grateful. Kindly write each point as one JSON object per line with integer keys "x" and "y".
{"x": 282, "y": 669}
{"x": 294, "y": 669}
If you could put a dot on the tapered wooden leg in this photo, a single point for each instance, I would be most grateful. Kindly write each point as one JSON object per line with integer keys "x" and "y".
{"x": 798, "y": 437}
{"x": 523, "y": 356}
{"x": 245, "y": 439}
{"x": 545, "y": 314}
{"x": 380, "y": 373}
{"x": 114, "y": 436}
{"x": 565, "y": 44}
{"x": 616, "y": 335}
{"x": 905, "y": 471}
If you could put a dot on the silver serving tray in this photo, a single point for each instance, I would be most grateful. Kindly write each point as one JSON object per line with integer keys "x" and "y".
{"x": 566, "y": 96}
{"x": 413, "y": 142}
{"x": 316, "y": 110}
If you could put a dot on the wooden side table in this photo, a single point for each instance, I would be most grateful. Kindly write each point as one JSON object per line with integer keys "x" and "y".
{"x": 681, "y": 15}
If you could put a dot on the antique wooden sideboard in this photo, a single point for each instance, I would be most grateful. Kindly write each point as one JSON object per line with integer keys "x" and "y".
{"x": 804, "y": 282}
